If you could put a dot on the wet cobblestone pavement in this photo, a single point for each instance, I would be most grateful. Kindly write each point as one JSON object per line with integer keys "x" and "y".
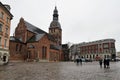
{"x": 59, "y": 71}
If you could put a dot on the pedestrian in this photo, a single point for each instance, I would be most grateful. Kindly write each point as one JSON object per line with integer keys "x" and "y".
{"x": 108, "y": 63}
{"x": 80, "y": 61}
{"x": 77, "y": 60}
{"x": 100, "y": 62}
{"x": 104, "y": 62}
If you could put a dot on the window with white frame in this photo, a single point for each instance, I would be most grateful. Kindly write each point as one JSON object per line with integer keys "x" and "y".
{"x": 105, "y": 46}
{"x": 7, "y": 20}
{"x": 7, "y": 30}
{"x": 5, "y": 43}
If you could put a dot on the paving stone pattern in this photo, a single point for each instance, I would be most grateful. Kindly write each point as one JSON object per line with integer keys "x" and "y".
{"x": 59, "y": 71}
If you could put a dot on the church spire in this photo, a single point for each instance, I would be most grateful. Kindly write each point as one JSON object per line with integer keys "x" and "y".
{"x": 55, "y": 14}
{"x": 55, "y": 28}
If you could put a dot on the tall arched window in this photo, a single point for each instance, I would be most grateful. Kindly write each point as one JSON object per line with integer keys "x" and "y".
{"x": 16, "y": 47}
{"x": 20, "y": 48}
{"x": 44, "y": 52}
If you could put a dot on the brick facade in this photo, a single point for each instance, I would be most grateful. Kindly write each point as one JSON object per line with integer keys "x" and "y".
{"x": 38, "y": 44}
{"x": 17, "y": 51}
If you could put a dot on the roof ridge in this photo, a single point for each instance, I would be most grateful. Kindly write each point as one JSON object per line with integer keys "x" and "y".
{"x": 34, "y": 28}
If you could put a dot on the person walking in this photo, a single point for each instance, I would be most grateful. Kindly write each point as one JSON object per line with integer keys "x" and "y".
{"x": 108, "y": 63}
{"x": 77, "y": 60}
{"x": 100, "y": 62}
{"x": 105, "y": 62}
{"x": 80, "y": 61}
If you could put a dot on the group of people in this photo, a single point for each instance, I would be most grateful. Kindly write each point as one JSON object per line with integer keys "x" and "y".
{"x": 79, "y": 61}
{"x": 106, "y": 63}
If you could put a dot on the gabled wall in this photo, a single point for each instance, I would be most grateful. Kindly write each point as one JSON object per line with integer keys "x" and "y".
{"x": 21, "y": 31}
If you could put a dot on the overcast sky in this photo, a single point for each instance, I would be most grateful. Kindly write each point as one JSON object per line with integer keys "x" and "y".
{"x": 81, "y": 20}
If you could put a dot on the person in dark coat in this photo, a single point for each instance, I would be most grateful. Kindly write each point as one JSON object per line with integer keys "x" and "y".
{"x": 108, "y": 63}
{"x": 77, "y": 60}
{"x": 80, "y": 61}
{"x": 100, "y": 62}
{"x": 105, "y": 63}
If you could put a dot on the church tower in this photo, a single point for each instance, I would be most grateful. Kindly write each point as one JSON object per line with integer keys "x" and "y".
{"x": 55, "y": 27}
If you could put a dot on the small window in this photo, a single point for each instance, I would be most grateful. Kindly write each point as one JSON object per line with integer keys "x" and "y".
{"x": 7, "y": 20}
{"x": 1, "y": 27}
{"x": 0, "y": 41}
{"x": 7, "y": 30}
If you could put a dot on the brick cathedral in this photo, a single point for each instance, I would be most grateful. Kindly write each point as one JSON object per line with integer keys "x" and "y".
{"x": 31, "y": 43}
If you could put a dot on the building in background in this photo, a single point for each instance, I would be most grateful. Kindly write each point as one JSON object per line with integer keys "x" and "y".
{"x": 65, "y": 52}
{"x": 98, "y": 49}
{"x": 74, "y": 51}
{"x": 31, "y": 43}
{"x": 118, "y": 54}
{"x": 94, "y": 50}
{"x": 5, "y": 22}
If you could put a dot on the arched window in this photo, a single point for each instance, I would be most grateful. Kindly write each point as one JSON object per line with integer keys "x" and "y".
{"x": 20, "y": 48}
{"x": 44, "y": 52}
{"x": 16, "y": 47}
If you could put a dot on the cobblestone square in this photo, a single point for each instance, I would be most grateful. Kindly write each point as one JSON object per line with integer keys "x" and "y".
{"x": 59, "y": 71}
